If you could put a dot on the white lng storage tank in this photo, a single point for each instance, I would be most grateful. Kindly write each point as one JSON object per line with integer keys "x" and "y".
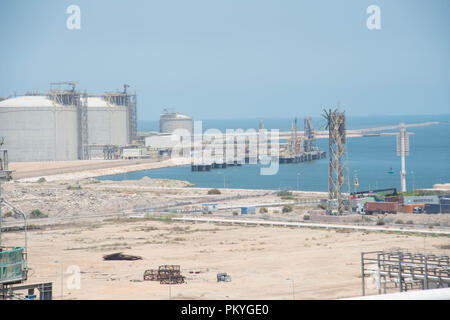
{"x": 107, "y": 123}
{"x": 36, "y": 128}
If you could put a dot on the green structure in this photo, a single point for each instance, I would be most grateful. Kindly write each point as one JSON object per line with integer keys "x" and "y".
{"x": 13, "y": 265}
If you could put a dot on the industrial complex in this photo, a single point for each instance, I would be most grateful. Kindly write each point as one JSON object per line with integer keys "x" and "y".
{"x": 66, "y": 124}
{"x": 72, "y": 137}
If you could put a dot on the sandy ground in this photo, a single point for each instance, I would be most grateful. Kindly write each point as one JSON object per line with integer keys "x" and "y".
{"x": 324, "y": 264}
{"x": 82, "y": 169}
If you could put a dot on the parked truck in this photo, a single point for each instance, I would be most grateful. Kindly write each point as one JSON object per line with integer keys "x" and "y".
{"x": 382, "y": 207}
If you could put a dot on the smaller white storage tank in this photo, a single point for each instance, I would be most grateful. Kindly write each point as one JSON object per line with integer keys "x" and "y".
{"x": 171, "y": 121}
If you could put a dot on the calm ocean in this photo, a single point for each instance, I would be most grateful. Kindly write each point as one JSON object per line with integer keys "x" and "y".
{"x": 371, "y": 157}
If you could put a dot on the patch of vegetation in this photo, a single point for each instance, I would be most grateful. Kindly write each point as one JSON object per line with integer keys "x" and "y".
{"x": 380, "y": 222}
{"x": 399, "y": 221}
{"x": 36, "y": 213}
{"x": 412, "y": 193}
{"x": 77, "y": 187}
{"x": 41, "y": 180}
{"x": 322, "y": 206}
{"x": 214, "y": 191}
{"x": 306, "y": 217}
{"x": 409, "y": 222}
{"x": 263, "y": 210}
{"x": 284, "y": 193}
{"x": 287, "y": 208}
{"x": 9, "y": 214}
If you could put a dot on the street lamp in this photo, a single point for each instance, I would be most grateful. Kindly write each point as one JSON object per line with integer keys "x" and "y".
{"x": 293, "y": 291}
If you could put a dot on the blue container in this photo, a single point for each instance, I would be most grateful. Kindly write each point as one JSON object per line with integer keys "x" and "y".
{"x": 245, "y": 210}
{"x": 436, "y": 208}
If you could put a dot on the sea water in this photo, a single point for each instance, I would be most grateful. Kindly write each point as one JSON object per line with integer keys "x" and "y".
{"x": 372, "y": 159}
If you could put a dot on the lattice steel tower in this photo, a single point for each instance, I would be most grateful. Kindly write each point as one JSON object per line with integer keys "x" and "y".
{"x": 338, "y": 159}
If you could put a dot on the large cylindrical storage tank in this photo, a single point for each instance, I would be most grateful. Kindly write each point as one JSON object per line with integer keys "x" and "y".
{"x": 107, "y": 123}
{"x": 169, "y": 122}
{"x": 36, "y": 128}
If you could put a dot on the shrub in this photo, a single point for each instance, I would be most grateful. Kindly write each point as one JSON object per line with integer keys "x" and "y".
{"x": 399, "y": 221}
{"x": 284, "y": 193}
{"x": 41, "y": 180}
{"x": 78, "y": 187}
{"x": 306, "y": 217}
{"x": 214, "y": 191}
{"x": 36, "y": 213}
{"x": 322, "y": 206}
{"x": 380, "y": 222}
{"x": 409, "y": 222}
{"x": 287, "y": 209}
{"x": 263, "y": 210}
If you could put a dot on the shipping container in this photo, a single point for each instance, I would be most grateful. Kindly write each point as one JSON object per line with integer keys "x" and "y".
{"x": 382, "y": 207}
{"x": 409, "y": 208}
{"x": 437, "y": 208}
{"x": 445, "y": 199}
{"x": 421, "y": 199}
{"x": 245, "y": 210}
{"x": 132, "y": 153}
{"x": 398, "y": 199}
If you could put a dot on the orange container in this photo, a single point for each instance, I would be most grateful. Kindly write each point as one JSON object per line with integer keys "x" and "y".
{"x": 408, "y": 208}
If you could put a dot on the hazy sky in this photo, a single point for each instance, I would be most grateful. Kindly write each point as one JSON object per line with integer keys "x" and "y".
{"x": 236, "y": 58}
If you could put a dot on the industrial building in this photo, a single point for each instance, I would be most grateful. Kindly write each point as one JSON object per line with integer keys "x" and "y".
{"x": 66, "y": 124}
{"x": 170, "y": 121}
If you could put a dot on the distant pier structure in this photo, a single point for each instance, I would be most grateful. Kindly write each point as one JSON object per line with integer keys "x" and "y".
{"x": 297, "y": 148}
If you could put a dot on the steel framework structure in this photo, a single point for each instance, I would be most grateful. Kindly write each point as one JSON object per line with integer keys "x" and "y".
{"x": 129, "y": 101}
{"x": 165, "y": 274}
{"x": 403, "y": 271}
{"x": 338, "y": 158}
{"x": 79, "y": 100}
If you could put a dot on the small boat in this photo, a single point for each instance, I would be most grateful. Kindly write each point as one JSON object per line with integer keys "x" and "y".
{"x": 391, "y": 171}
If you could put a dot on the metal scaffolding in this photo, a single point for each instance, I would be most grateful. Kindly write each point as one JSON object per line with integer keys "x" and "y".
{"x": 79, "y": 100}
{"x": 403, "y": 271}
{"x": 129, "y": 101}
{"x": 309, "y": 143}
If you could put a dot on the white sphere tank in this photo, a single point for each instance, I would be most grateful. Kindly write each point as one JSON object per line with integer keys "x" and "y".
{"x": 107, "y": 123}
{"x": 36, "y": 128}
